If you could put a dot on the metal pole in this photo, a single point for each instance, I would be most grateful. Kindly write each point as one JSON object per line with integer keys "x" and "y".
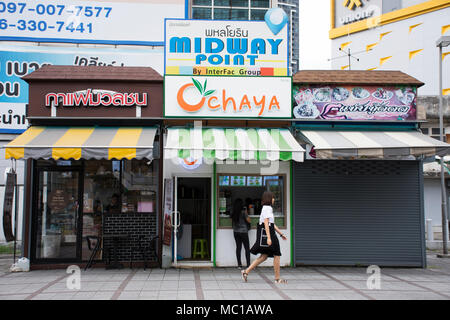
{"x": 441, "y": 133}
{"x": 349, "y": 60}
{"x": 16, "y": 200}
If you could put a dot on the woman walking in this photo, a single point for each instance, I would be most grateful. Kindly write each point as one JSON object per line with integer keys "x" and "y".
{"x": 241, "y": 221}
{"x": 266, "y": 231}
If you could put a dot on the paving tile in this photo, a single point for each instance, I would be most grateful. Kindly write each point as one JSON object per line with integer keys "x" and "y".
{"x": 83, "y": 295}
{"x": 167, "y": 295}
{"x": 410, "y": 295}
{"x": 231, "y": 295}
{"x": 186, "y": 284}
{"x": 103, "y": 295}
{"x": 169, "y": 285}
{"x": 156, "y": 276}
{"x": 151, "y": 285}
{"x": 209, "y": 284}
{"x": 148, "y": 295}
{"x": 129, "y": 295}
{"x": 44, "y": 296}
{"x": 251, "y": 295}
{"x": 134, "y": 285}
{"x": 443, "y": 287}
{"x": 187, "y": 295}
{"x": 212, "y": 295}
{"x": 64, "y": 296}
{"x": 386, "y": 285}
{"x": 110, "y": 286}
{"x": 14, "y": 297}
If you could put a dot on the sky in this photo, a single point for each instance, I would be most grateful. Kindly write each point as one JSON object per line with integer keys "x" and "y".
{"x": 315, "y": 45}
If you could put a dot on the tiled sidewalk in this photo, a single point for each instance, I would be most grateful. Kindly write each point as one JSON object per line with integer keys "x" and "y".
{"x": 304, "y": 283}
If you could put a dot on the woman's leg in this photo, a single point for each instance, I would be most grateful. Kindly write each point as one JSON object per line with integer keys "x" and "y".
{"x": 255, "y": 263}
{"x": 276, "y": 266}
{"x": 238, "y": 241}
{"x": 246, "y": 242}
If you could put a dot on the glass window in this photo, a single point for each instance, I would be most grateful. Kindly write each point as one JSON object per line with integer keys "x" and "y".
{"x": 201, "y": 13}
{"x": 260, "y": 4}
{"x": 231, "y": 3}
{"x": 140, "y": 184}
{"x": 201, "y": 2}
{"x": 436, "y": 131}
{"x": 250, "y": 189}
{"x": 57, "y": 213}
{"x": 231, "y": 14}
{"x": 257, "y": 15}
{"x": 108, "y": 187}
{"x": 101, "y": 194}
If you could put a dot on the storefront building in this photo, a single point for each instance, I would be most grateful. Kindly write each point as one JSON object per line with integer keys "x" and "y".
{"x": 92, "y": 162}
{"x": 358, "y": 196}
{"x": 232, "y": 143}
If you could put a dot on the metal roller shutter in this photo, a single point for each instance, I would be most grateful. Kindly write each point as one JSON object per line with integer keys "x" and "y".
{"x": 358, "y": 213}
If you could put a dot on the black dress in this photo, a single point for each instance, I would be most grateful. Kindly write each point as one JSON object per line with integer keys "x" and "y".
{"x": 273, "y": 250}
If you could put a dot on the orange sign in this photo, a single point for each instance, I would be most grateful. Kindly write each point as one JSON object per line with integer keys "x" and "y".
{"x": 227, "y": 97}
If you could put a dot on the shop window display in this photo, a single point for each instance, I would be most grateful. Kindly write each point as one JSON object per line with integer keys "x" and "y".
{"x": 114, "y": 187}
{"x": 74, "y": 196}
{"x": 250, "y": 188}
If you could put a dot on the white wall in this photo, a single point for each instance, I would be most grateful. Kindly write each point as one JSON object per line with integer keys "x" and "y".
{"x": 314, "y": 43}
{"x": 432, "y": 201}
{"x": 398, "y": 44}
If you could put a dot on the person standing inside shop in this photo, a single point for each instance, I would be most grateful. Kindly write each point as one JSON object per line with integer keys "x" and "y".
{"x": 266, "y": 240}
{"x": 241, "y": 225}
{"x": 114, "y": 206}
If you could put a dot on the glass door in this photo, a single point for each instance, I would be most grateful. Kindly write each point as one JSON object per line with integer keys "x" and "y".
{"x": 192, "y": 240}
{"x": 57, "y": 214}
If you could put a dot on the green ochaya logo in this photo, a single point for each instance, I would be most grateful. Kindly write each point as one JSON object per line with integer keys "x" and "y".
{"x": 219, "y": 102}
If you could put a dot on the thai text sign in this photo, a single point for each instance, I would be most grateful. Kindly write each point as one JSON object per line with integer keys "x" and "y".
{"x": 114, "y": 22}
{"x": 95, "y": 98}
{"x": 16, "y": 62}
{"x": 225, "y": 97}
{"x": 354, "y": 103}
{"x": 225, "y": 48}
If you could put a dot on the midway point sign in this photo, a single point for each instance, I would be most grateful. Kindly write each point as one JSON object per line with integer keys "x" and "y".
{"x": 228, "y": 48}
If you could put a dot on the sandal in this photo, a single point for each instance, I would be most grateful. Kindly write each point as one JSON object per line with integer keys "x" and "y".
{"x": 244, "y": 275}
{"x": 281, "y": 281}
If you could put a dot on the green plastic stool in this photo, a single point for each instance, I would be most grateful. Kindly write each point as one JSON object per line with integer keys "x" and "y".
{"x": 200, "y": 248}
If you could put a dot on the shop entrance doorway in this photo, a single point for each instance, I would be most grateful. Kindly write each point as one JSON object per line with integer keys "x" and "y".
{"x": 193, "y": 235}
{"x": 57, "y": 215}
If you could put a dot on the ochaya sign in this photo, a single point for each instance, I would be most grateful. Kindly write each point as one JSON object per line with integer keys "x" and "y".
{"x": 224, "y": 97}
{"x": 354, "y": 103}
{"x": 95, "y": 98}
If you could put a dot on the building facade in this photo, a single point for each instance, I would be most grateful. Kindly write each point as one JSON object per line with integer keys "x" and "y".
{"x": 98, "y": 41}
{"x": 251, "y": 10}
{"x": 398, "y": 35}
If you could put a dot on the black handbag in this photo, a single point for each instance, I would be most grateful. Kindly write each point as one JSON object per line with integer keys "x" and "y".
{"x": 263, "y": 238}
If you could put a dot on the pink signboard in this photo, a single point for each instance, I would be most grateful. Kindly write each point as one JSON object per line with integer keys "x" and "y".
{"x": 354, "y": 103}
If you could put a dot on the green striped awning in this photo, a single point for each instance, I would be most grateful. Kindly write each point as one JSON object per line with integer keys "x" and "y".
{"x": 233, "y": 144}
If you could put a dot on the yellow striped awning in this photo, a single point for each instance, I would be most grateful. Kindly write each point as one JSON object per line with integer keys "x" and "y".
{"x": 83, "y": 143}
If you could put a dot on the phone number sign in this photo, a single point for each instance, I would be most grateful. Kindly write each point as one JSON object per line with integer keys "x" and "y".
{"x": 86, "y": 21}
